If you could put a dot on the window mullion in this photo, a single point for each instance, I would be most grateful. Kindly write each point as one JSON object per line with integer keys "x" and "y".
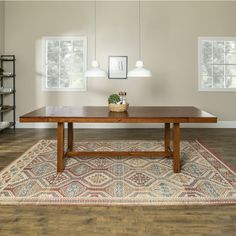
{"x": 72, "y": 56}
{"x": 212, "y": 67}
{"x": 59, "y": 64}
{"x": 46, "y": 64}
{"x": 224, "y": 65}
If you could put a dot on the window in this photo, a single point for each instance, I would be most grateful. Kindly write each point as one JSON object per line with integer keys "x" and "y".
{"x": 64, "y": 63}
{"x": 217, "y": 64}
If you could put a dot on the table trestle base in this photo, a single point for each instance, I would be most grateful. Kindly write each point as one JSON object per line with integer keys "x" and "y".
{"x": 151, "y": 154}
{"x": 114, "y": 153}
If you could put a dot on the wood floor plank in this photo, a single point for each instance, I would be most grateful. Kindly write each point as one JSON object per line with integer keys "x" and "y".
{"x": 117, "y": 221}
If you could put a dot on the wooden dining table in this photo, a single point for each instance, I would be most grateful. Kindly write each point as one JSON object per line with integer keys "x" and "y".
{"x": 100, "y": 114}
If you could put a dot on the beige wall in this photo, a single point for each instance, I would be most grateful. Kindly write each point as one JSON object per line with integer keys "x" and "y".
{"x": 170, "y": 33}
{"x": 1, "y": 27}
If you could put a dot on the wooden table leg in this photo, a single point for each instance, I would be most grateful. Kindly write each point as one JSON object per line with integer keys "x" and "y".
{"x": 167, "y": 138}
{"x": 70, "y": 137}
{"x": 60, "y": 147}
{"x": 176, "y": 147}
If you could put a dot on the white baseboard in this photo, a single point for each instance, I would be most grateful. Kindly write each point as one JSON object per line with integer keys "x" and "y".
{"x": 220, "y": 124}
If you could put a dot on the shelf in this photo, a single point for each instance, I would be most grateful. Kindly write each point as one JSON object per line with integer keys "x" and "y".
{"x": 6, "y": 93}
{"x": 7, "y": 76}
{"x": 8, "y": 126}
{"x": 9, "y": 108}
{"x": 7, "y": 59}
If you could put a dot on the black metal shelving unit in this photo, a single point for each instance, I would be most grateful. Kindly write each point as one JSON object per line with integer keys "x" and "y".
{"x": 10, "y": 75}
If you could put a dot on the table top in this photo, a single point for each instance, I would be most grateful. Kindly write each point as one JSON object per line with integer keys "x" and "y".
{"x": 135, "y": 114}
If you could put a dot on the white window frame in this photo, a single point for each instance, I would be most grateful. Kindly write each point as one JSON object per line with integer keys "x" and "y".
{"x": 200, "y": 39}
{"x": 44, "y": 88}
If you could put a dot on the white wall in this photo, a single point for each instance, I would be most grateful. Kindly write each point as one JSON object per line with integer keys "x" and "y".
{"x": 170, "y": 31}
{"x": 1, "y": 27}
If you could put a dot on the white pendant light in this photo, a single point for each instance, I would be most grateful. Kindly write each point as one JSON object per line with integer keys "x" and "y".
{"x": 95, "y": 70}
{"x": 139, "y": 70}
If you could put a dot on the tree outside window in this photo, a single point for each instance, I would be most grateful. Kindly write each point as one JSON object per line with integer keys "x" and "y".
{"x": 65, "y": 63}
{"x": 217, "y": 64}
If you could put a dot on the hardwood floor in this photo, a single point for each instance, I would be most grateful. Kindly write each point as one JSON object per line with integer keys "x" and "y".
{"x": 175, "y": 220}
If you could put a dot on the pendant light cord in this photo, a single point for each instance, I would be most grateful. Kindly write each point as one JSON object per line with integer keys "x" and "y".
{"x": 139, "y": 16}
{"x": 95, "y": 29}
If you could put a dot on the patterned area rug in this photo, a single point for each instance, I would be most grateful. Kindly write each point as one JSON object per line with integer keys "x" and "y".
{"x": 32, "y": 178}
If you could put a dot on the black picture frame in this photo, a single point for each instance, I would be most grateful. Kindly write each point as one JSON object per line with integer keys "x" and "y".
{"x": 117, "y": 67}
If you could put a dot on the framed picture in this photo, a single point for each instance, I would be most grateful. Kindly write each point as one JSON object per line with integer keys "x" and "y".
{"x": 117, "y": 67}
